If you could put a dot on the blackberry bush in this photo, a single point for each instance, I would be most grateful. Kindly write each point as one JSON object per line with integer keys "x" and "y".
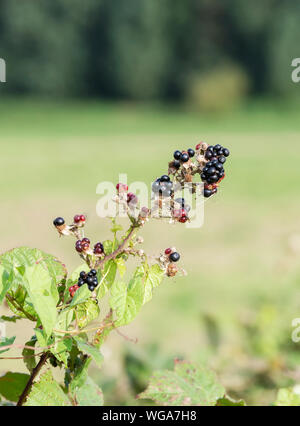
{"x": 69, "y": 319}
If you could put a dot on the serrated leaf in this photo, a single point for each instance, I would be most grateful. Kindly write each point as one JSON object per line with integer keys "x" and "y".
{"x": 81, "y": 296}
{"x": 80, "y": 375}
{"x": 288, "y": 397}
{"x": 47, "y": 392}
{"x": 12, "y": 385}
{"x": 127, "y": 301}
{"x": 188, "y": 384}
{"x": 108, "y": 246}
{"x": 28, "y": 354}
{"x": 229, "y": 402}
{"x": 90, "y": 350}
{"x": 6, "y": 341}
{"x": 15, "y": 262}
{"x": 62, "y": 349}
{"x": 6, "y": 280}
{"x": 121, "y": 266}
{"x": 87, "y": 312}
{"x": 89, "y": 394}
{"x": 64, "y": 319}
{"x": 38, "y": 284}
{"x": 106, "y": 278}
{"x": 153, "y": 278}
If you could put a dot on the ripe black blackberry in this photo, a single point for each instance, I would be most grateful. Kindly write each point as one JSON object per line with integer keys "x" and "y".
{"x": 59, "y": 221}
{"x": 89, "y": 278}
{"x": 174, "y": 257}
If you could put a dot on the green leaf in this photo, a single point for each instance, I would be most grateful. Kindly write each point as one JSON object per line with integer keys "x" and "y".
{"x": 75, "y": 274}
{"x": 38, "y": 284}
{"x": 12, "y": 385}
{"x": 89, "y": 394}
{"x": 64, "y": 319}
{"x": 154, "y": 277}
{"x": 288, "y": 397}
{"x": 15, "y": 262}
{"x": 81, "y": 295}
{"x": 229, "y": 402}
{"x": 108, "y": 246}
{"x": 90, "y": 350}
{"x": 87, "y": 312}
{"x": 47, "y": 392}
{"x": 6, "y": 280}
{"x": 127, "y": 301}
{"x": 121, "y": 266}
{"x": 42, "y": 338}
{"x": 80, "y": 375}
{"x": 106, "y": 278}
{"x": 188, "y": 384}
{"x": 62, "y": 349}
{"x": 6, "y": 341}
{"x": 28, "y": 354}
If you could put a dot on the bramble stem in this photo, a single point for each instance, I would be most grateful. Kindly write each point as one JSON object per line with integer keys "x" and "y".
{"x": 119, "y": 250}
{"x": 34, "y": 373}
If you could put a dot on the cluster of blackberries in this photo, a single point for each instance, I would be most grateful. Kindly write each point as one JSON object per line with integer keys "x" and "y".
{"x": 163, "y": 186}
{"x": 82, "y": 245}
{"x": 173, "y": 255}
{"x": 89, "y": 278}
{"x": 182, "y": 157}
{"x": 213, "y": 171}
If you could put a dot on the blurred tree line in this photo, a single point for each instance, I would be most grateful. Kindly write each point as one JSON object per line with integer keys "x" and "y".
{"x": 147, "y": 49}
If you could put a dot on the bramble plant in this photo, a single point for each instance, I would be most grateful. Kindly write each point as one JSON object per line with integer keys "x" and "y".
{"x": 36, "y": 286}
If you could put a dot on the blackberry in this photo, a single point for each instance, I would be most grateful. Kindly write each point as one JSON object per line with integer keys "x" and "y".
{"x": 177, "y": 155}
{"x": 213, "y": 171}
{"x": 174, "y": 257}
{"x": 184, "y": 157}
{"x": 59, "y": 221}
{"x": 191, "y": 152}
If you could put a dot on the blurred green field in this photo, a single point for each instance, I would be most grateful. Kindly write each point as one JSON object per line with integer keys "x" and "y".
{"x": 234, "y": 309}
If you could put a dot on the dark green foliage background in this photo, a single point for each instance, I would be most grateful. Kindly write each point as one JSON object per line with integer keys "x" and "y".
{"x": 141, "y": 49}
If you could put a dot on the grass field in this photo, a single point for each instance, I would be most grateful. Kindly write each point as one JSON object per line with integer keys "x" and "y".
{"x": 234, "y": 309}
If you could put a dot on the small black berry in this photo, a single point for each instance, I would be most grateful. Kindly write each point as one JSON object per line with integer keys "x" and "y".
{"x": 176, "y": 164}
{"x": 226, "y": 152}
{"x": 222, "y": 159}
{"x": 191, "y": 152}
{"x": 91, "y": 287}
{"x": 177, "y": 155}
{"x": 165, "y": 178}
{"x": 59, "y": 221}
{"x": 82, "y": 274}
{"x": 80, "y": 282}
{"x": 174, "y": 257}
{"x": 155, "y": 186}
{"x": 207, "y": 193}
{"x": 89, "y": 280}
{"x": 93, "y": 271}
{"x": 184, "y": 157}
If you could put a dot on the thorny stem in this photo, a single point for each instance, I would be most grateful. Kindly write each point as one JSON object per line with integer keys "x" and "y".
{"x": 119, "y": 250}
{"x": 33, "y": 375}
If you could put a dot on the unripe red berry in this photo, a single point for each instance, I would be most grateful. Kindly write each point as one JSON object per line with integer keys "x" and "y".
{"x": 82, "y": 218}
{"x": 168, "y": 251}
{"x": 198, "y": 146}
{"x": 183, "y": 219}
{"x": 76, "y": 218}
{"x": 131, "y": 198}
{"x": 121, "y": 187}
{"x": 85, "y": 246}
{"x": 85, "y": 240}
